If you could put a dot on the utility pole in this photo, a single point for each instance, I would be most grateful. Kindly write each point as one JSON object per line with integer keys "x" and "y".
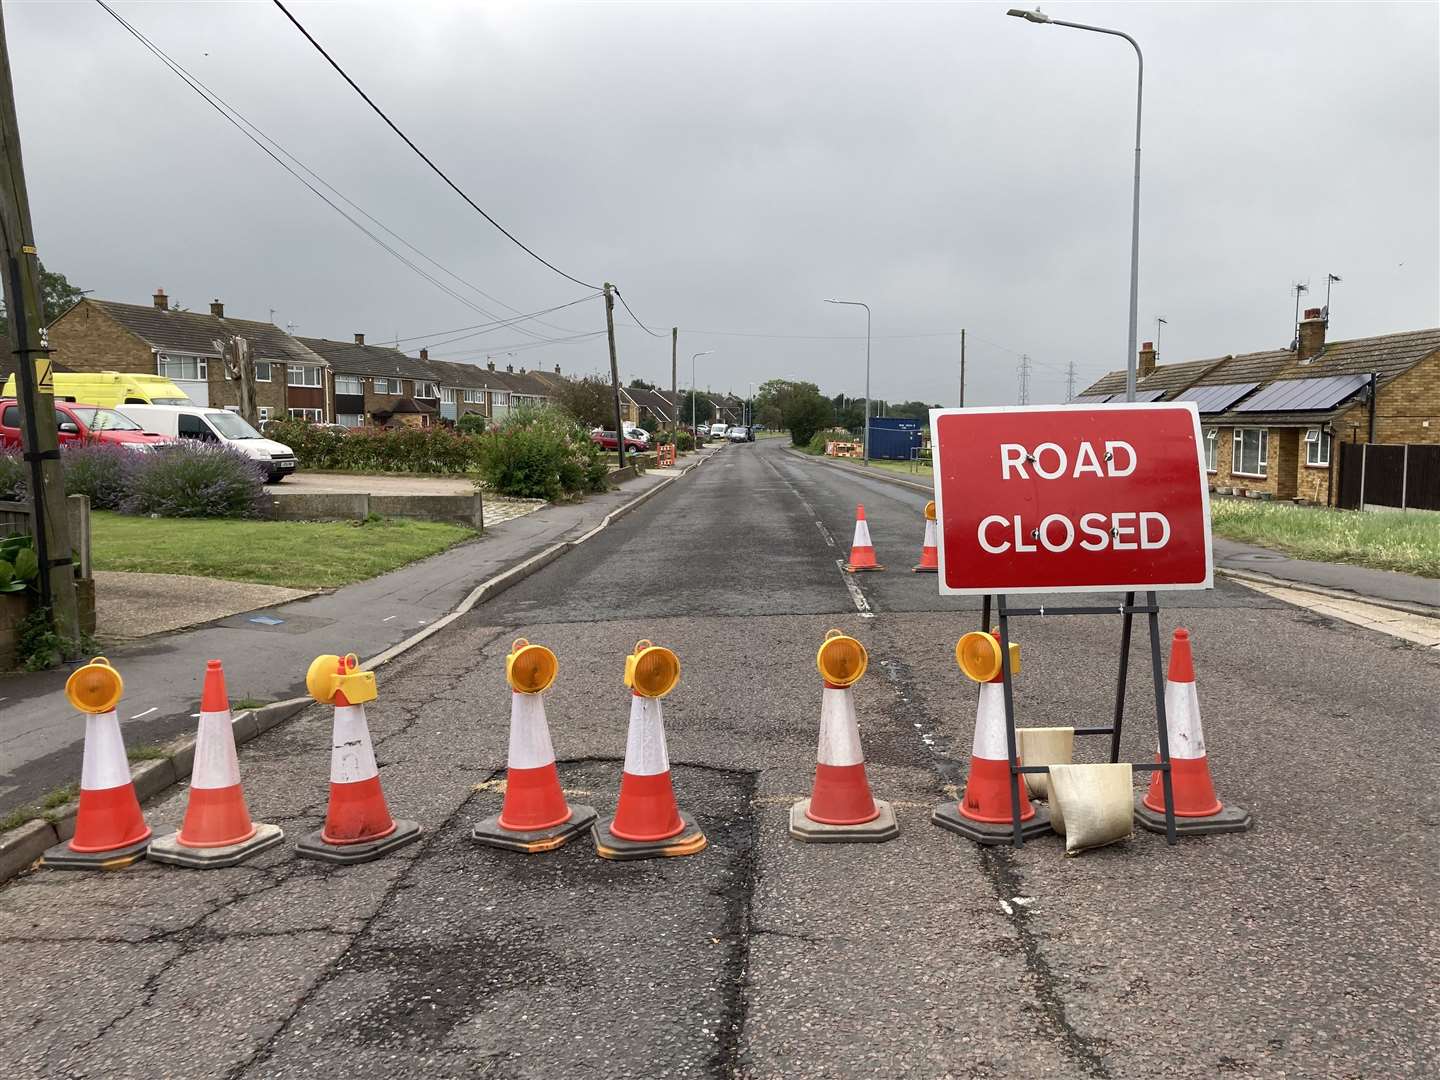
{"x": 1070, "y": 382}
{"x": 1024, "y": 376}
{"x": 962, "y": 367}
{"x": 34, "y": 387}
{"x": 614, "y": 373}
{"x": 674, "y": 384}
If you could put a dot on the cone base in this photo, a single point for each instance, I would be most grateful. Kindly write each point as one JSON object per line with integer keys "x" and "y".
{"x": 63, "y": 857}
{"x": 947, "y": 815}
{"x": 809, "y": 831}
{"x": 1231, "y": 818}
{"x": 924, "y": 569}
{"x": 851, "y": 568}
{"x": 492, "y": 834}
{"x": 170, "y": 851}
{"x": 688, "y": 841}
{"x": 315, "y": 847}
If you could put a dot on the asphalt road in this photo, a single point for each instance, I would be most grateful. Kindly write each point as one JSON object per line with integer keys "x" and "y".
{"x": 1304, "y": 948}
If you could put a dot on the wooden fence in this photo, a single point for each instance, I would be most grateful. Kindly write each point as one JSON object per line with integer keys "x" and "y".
{"x": 1403, "y": 476}
{"x": 15, "y": 520}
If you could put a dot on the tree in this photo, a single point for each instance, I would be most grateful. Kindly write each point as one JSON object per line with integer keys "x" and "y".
{"x": 641, "y": 384}
{"x": 911, "y": 410}
{"x": 804, "y": 412}
{"x": 56, "y": 294}
{"x": 704, "y": 410}
{"x": 590, "y": 400}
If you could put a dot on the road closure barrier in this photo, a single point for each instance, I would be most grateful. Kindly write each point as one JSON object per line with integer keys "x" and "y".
{"x": 358, "y": 826}
{"x": 535, "y": 816}
{"x": 648, "y": 822}
{"x": 862, "y": 551}
{"x": 110, "y": 830}
{"x": 665, "y": 456}
{"x": 217, "y": 830}
{"x": 840, "y": 808}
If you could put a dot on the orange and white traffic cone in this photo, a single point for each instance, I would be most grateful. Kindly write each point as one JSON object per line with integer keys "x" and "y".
{"x": 862, "y": 551}
{"x": 217, "y": 830}
{"x": 535, "y": 816}
{"x": 985, "y": 813}
{"x": 110, "y": 830}
{"x": 1197, "y": 810}
{"x": 647, "y": 820}
{"x": 840, "y": 808}
{"x": 930, "y": 551}
{"x": 358, "y": 826}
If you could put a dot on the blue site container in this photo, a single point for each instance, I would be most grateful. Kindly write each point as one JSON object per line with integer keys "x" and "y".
{"x": 893, "y": 438}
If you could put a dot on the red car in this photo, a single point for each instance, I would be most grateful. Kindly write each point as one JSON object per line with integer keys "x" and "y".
{"x": 81, "y": 424}
{"x": 606, "y": 441}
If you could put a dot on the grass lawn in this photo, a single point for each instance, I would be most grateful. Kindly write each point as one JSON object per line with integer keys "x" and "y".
{"x": 1381, "y": 539}
{"x": 919, "y": 473}
{"x": 298, "y": 554}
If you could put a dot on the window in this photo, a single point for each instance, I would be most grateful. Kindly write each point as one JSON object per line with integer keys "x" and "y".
{"x": 449, "y": 395}
{"x": 262, "y": 370}
{"x": 316, "y": 416}
{"x": 264, "y": 411}
{"x": 11, "y": 417}
{"x": 389, "y": 386}
{"x": 304, "y": 375}
{"x": 189, "y": 426}
{"x": 350, "y": 420}
{"x": 499, "y": 398}
{"x": 348, "y": 384}
{"x": 425, "y": 389}
{"x": 1212, "y": 442}
{"x": 1251, "y": 447}
{"x": 184, "y": 368}
{"x": 474, "y": 397}
{"x": 1317, "y": 447}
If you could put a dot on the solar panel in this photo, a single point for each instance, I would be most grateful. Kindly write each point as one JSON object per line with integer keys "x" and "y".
{"x": 1214, "y": 399}
{"x": 1091, "y": 399}
{"x": 1144, "y": 395}
{"x": 1301, "y": 395}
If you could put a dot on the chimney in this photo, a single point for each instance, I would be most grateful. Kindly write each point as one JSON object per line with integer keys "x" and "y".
{"x": 217, "y": 308}
{"x": 490, "y": 365}
{"x": 1147, "y": 359}
{"x": 424, "y": 354}
{"x": 1312, "y": 335}
{"x": 359, "y": 339}
{"x": 161, "y": 300}
{"x": 510, "y": 368}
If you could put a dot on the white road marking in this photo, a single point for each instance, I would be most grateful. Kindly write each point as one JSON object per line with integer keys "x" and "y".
{"x": 825, "y": 533}
{"x": 147, "y": 712}
{"x": 861, "y": 604}
{"x": 387, "y": 618}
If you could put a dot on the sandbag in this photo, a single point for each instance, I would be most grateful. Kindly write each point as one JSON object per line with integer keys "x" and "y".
{"x": 1044, "y": 746}
{"x": 1094, "y": 805}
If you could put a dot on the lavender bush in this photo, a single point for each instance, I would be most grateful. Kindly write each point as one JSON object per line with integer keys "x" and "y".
{"x": 193, "y": 479}
{"x": 99, "y": 470}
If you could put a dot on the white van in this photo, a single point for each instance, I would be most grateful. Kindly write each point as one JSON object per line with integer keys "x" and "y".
{"x": 217, "y": 426}
{"x": 718, "y": 430}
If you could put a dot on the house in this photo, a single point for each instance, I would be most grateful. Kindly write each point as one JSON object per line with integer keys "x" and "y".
{"x": 369, "y": 383}
{"x": 1271, "y": 420}
{"x": 654, "y": 409}
{"x": 155, "y": 339}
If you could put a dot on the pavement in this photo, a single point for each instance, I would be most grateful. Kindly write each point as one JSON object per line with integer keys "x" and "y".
{"x": 1302, "y": 948}
{"x": 130, "y": 606}
{"x": 266, "y": 651}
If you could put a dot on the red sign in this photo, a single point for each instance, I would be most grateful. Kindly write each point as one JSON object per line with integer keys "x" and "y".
{"x": 1072, "y": 498}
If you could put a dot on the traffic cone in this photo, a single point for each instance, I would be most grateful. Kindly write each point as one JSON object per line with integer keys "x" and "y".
{"x": 985, "y": 814}
{"x": 217, "y": 830}
{"x": 535, "y": 816}
{"x": 358, "y": 826}
{"x": 1197, "y": 810}
{"x": 862, "y": 552}
{"x": 930, "y": 552}
{"x": 840, "y": 808}
{"x": 110, "y": 830}
{"x": 647, "y": 820}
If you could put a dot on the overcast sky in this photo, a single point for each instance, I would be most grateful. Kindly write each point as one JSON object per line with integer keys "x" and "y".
{"x": 731, "y": 165}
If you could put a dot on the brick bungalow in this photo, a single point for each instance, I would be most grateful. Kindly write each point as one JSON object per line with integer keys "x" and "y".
{"x": 1271, "y": 419}
{"x": 154, "y": 339}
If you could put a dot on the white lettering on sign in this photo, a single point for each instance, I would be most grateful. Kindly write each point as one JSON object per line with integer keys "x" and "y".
{"x": 1014, "y": 456}
{"x": 1123, "y": 530}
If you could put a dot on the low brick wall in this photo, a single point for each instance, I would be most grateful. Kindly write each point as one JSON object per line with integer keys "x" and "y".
{"x": 465, "y": 510}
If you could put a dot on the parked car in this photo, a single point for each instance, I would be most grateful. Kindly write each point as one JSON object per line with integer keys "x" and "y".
{"x": 217, "y": 426}
{"x": 739, "y": 434}
{"x": 81, "y": 424}
{"x": 111, "y": 388}
{"x": 633, "y": 431}
{"x": 606, "y": 441}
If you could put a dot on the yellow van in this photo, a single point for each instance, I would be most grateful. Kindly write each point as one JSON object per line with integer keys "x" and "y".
{"x": 111, "y": 388}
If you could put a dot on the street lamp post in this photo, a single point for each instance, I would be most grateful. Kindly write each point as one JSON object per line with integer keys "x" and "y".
{"x": 1037, "y": 16}
{"x": 865, "y": 441}
{"x": 695, "y": 431}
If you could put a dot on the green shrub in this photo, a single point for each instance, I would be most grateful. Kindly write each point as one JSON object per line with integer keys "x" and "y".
{"x": 471, "y": 424}
{"x": 402, "y": 449}
{"x": 683, "y": 440}
{"x": 540, "y": 453}
{"x": 194, "y": 479}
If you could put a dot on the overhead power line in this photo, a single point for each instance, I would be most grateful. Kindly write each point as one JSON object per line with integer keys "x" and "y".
{"x": 425, "y": 157}
{"x": 241, "y": 124}
{"x": 638, "y": 323}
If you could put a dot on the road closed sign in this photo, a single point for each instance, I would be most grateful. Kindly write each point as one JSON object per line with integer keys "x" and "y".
{"x": 1071, "y": 498}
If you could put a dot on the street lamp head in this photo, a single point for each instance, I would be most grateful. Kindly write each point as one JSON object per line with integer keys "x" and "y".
{"x": 1036, "y": 16}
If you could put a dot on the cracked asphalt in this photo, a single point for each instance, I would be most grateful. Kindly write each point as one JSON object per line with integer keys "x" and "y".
{"x": 1304, "y": 948}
